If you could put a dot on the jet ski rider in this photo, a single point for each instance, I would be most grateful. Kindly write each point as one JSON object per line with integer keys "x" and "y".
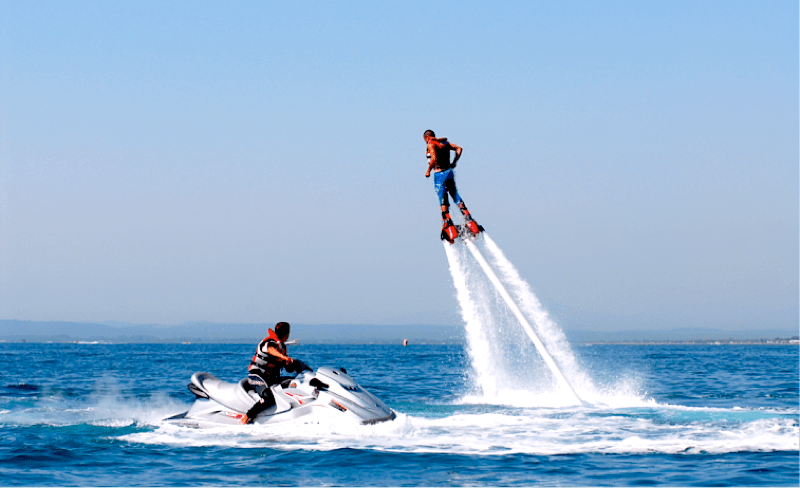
{"x": 265, "y": 368}
{"x": 438, "y": 154}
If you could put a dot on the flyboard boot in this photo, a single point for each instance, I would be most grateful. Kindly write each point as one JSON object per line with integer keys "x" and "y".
{"x": 469, "y": 222}
{"x": 449, "y": 231}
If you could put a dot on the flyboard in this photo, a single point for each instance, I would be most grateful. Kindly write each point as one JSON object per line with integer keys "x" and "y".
{"x": 469, "y": 232}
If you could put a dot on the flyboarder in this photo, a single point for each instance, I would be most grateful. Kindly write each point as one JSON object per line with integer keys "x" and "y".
{"x": 438, "y": 153}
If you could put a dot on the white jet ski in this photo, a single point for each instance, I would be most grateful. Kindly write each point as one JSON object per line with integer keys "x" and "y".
{"x": 307, "y": 398}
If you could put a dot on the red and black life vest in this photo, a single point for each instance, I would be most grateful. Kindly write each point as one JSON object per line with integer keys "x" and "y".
{"x": 264, "y": 364}
{"x": 442, "y": 148}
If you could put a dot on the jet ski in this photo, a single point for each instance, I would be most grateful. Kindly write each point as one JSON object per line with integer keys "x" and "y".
{"x": 327, "y": 394}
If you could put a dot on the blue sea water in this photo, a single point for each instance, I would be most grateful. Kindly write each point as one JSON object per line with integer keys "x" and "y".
{"x": 694, "y": 415}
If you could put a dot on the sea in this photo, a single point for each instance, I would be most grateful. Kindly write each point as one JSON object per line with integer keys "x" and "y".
{"x": 515, "y": 404}
{"x": 674, "y": 415}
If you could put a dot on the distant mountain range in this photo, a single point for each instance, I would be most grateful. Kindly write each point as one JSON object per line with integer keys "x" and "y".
{"x": 679, "y": 335}
{"x": 119, "y": 332}
{"x": 20, "y": 330}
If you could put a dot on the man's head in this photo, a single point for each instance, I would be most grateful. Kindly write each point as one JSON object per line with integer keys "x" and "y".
{"x": 282, "y": 330}
{"x": 428, "y": 135}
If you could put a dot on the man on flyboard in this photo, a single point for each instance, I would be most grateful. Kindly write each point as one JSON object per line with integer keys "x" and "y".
{"x": 438, "y": 153}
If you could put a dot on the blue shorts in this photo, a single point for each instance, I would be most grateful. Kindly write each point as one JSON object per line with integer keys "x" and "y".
{"x": 444, "y": 182}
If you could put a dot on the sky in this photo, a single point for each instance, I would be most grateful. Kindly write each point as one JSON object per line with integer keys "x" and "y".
{"x": 251, "y": 162}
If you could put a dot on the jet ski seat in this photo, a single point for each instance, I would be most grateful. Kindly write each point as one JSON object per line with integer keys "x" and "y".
{"x": 231, "y": 395}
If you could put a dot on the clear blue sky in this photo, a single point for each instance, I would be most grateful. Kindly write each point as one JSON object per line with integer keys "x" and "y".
{"x": 163, "y": 162}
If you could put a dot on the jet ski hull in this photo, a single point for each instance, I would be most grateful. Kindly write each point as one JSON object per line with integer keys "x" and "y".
{"x": 311, "y": 397}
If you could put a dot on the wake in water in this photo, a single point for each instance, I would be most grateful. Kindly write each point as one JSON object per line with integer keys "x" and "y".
{"x": 525, "y": 431}
{"x": 451, "y": 429}
{"x": 507, "y": 368}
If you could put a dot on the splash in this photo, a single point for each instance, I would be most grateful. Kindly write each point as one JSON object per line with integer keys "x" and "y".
{"x": 509, "y": 369}
{"x": 108, "y": 404}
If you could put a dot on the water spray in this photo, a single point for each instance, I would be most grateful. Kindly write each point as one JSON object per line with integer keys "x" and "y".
{"x": 548, "y": 359}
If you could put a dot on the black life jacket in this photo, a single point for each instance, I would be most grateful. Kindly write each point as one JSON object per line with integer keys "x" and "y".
{"x": 264, "y": 364}
{"x": 442, "y": 148}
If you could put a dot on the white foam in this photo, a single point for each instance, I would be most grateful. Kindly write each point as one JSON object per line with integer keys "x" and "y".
{"x": 530, "y": 431}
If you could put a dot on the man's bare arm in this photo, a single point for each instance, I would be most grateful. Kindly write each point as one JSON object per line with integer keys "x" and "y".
{"x": 273, "y": 351}
{"x": 458, "y": 153}
{"x": 432, "y": 152}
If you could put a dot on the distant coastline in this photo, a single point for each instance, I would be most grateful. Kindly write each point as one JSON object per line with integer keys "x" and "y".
{"x": 763, "y": 342}
{"x": 12, "y": 331}
{"x": 790, "y": 341}
{"x": 219, "y": 333}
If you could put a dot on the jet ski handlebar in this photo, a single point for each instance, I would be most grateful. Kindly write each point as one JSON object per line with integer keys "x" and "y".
{"x": 298, "y": 367}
